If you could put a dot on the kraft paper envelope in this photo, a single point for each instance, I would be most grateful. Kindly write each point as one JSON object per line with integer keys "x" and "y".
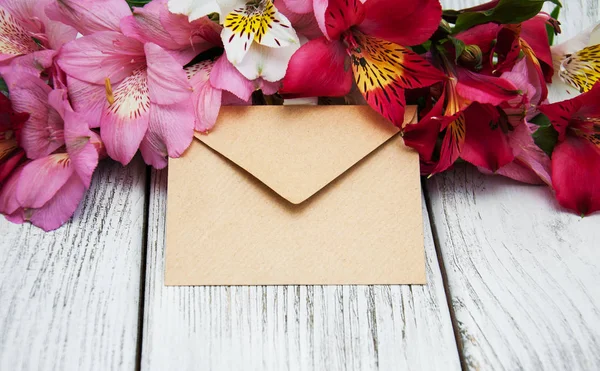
{"x": 296, "y": 195}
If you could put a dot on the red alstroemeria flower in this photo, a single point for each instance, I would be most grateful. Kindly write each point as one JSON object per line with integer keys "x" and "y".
{"x": 466, "y": 112}
{"x": 576, "y": 157}
{"x": 367, "y": 41}
{"x": 11, "y": 123}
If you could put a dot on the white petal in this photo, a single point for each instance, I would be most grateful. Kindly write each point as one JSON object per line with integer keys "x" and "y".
{"x": 558, "y": 91}
{"x": 236, "y": 44}
{"x": 228, "y": 6}
{"x": 275, "y": 31}
{"x": 269, "y": 63}
{"x": 194, "y": 9}
{"x": 577, "y": 43}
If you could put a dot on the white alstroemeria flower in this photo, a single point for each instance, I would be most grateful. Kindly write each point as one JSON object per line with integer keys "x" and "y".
{"x": 259, "y": 41}
{"x": 576, "y": 65}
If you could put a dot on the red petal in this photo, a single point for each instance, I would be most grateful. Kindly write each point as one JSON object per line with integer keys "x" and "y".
{"x": 336, "y": 16}
{"x": 534, "y": 33}
{"x": 423, "y": 136}
{"x": 486, "y": 145}
{"x": 328, "y": 76}
{"x": 483, "y": 36}
{"x": 452, "y": 144}
{"x": 484, "y": 89}
{"x": 383, "y": 70}
{"x": 404, "y": 22}
{"x": 575, "y": 175}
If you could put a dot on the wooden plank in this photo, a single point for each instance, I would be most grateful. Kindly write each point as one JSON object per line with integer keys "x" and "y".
{"x": 69, "y": 300}
{"x": 522, "y": 273}
{"x": 291, "y": 327}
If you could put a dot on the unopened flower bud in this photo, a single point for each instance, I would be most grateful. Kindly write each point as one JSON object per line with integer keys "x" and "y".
{"x": 471, "y": 57}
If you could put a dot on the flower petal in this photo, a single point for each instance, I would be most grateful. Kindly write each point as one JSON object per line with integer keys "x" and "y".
{"x": 170, "y": 132}
{"x": 42, "y": 178}
{"x": 453, "y": 143}
{"x": 575, "y": 175}
{"x": 404, "y": 22}
{"x": 125, "y": 121}
{"x": 42, "y": 134}
{"x": 14, "y": 40}
{"x": 61, "y": 207}
{"x": 382, "y": 70}
{"x": 299, "y": 6}
{"x": 89, "y": 16}
{"x": 81, "y": 150}
{"x": 206, "y": 99}
{"x": 8, "y": 193}
{"x": 268, "y": 63}
{"x": 423, "y": 136}
{"x": 100, "y": 56}
{"x": 484, "y": 89}
{"x": 336, "y": 16}
{"x": 485, "y": 145}
{"x": 225, "y": 76}
{"x": 329, "y": 75}
{"x": 87, "y": 99}
{"x": 194, "y": 9}
{"x": 167, "y": 81}
{"x": 534, "y": 32}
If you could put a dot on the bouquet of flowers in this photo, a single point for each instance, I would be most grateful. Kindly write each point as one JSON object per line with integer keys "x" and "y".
{"x": 85, "y": 80}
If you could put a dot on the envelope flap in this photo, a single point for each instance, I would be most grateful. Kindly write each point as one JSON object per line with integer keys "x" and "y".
{"x": 298, "y": 150}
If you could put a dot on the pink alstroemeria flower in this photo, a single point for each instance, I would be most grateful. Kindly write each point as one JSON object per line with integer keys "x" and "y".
{"x": 368, "y": 42}
{"x": 28, "y": 39}
{"x": 46, "y": 190}
{"x": 146, "y": 103}
{"x": 576, "y": 157}
{"x": 11, "y": 124}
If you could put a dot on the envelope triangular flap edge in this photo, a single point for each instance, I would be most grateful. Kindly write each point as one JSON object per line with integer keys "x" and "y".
{"x": 298, "y": 150}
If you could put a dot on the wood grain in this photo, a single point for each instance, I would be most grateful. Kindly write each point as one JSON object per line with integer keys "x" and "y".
{"x": 291, "y": 327}
{"x": 522, "y": 273}
{"x": 69, "y": 300}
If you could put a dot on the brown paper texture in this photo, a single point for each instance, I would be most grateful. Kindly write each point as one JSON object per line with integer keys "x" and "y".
{"x": 296, "y": 195}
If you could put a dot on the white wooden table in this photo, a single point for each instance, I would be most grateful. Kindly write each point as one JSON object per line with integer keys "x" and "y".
{"x": 514, "y": 284}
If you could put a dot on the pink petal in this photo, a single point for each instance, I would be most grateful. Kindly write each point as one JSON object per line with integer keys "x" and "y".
{"x": 89, "y": 16}
{"x": 42, "y": 134}
{"x": 87, "y": 99}
{"x": 170, "y": 132}
{"x": 575, "y": 175}
{"x": 201, "y": 34}
{"x": 225, "y": 76}
{"x": 328, "y": 77}
{"x": 486, "y": 145}
{"x": 484, "y": 89}
{"x": 60, "y": 208}
{"x": 102, "y": 55}
{"x": 336, "y": 16}
{"x": 81, "y": 150}
{"x": 404, "y": 22}
{"x": 8, "y": 193}
{"x": 298, "y": 6}
{"x": 34, "y": 63}
{"x": 8, "y": 165}
{"x": 59, "y": 34}
{"x": 305, "y": 24}
{"x": 206, "y": 99}
{"x": 42, "y": 178}
{"x": 125, "y": 122}
{"x": 167, "y": 81}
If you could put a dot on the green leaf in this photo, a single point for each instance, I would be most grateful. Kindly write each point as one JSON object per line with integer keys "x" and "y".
{"x": 551, "y": 33}
{"x": 506, "y": 12}
{"x": 459, "y": 46}
{"x": 546, "y": 136}
{"x": 137, "y": 3}
{"x": 3, "y": 87}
